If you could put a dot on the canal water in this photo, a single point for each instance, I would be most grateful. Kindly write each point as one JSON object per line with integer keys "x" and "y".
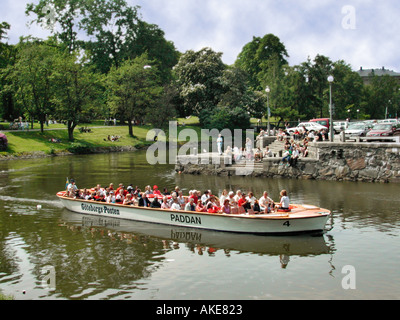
{"x": 47, "y": 252}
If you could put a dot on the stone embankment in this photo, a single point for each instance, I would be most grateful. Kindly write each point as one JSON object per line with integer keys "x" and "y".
{"x": 349, "y": 161}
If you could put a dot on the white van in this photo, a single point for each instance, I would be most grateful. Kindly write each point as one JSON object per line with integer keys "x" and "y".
{"x": 340, "y": 126}
{"x": 390, "y": 121}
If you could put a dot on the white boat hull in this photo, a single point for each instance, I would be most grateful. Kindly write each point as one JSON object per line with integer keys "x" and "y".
{"x": 309, "y": 218}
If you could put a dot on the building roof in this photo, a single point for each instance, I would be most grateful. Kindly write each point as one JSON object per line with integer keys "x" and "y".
{"x": 378, "y": 72}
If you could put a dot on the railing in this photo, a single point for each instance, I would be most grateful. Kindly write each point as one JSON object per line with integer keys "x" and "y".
{"x": 388, "y": 139}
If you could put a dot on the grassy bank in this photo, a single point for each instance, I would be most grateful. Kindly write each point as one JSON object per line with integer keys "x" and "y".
{"x": 28, "y": 142}
{"x": 54, "y": 139}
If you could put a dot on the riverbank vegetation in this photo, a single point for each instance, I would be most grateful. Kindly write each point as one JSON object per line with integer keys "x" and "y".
{"x": 103, "y": 61}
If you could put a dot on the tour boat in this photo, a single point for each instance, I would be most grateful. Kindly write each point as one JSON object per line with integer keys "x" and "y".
{"x": 301, "y": 218}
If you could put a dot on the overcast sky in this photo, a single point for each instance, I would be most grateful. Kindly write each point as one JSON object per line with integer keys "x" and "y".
{"x": 361, "y": 32}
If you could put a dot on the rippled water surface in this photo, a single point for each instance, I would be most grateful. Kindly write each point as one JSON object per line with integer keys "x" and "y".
{"x": 48, "y": 252}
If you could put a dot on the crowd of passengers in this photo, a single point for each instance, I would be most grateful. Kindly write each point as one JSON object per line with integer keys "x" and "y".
{"x": 228, "y": 203}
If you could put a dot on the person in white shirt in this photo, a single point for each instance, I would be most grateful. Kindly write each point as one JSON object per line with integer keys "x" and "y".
{"x": 219, "y": 144}
{"x": 238, "y": 195}
{"x": 266, "y": 202}
{"x": 205, "y": 197}
{"x": 190, "y": 206}
{"x": 175, "y": 205}
{"x": 223, "y": 196}
{"x": 284, "y": 203}
{"x": 251, "y": 198}
{"x": 72, "y": 188}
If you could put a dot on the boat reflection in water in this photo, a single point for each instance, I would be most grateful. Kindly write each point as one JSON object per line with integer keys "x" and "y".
{"x": 200, "y": 240}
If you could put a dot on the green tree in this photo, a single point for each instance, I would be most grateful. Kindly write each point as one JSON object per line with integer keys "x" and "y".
{"x": 66, "y": 14}
{"x": 8, "y": 108}
{"x": 255, "y": 55}
{"x": 285, "y": 85}
{"x": 31, "y": 78}
{"x": 198, "y": 77}
{"x": 382, "y": 97}
{"x": 164, "y": 108}
{"x": 133, "y": 88}
{"x": 347, "y": 91}
{"x": 317, "y": 73}
{"x": 76, "y": 90}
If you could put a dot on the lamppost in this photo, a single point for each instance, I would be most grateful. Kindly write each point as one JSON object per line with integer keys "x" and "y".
{"x": 330, "y": 80}
{"x": 267, "y": 90}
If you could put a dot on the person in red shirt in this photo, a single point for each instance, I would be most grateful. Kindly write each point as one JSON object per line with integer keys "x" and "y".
{"x": 243, "y": 202}
{"x": 156, "y": 191}
{"x": 193, "y": 194}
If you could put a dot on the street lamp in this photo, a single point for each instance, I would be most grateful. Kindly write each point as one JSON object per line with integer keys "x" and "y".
{"x": 330, "y": 80}
{"x": 267, "y": 90}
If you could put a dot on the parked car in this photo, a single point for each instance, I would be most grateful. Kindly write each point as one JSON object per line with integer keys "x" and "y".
{"x": 392, "y": 121}
{"x": 356, "y": 129}
{"x": 340, "y": 126}
{"x": 384, "y": 130}
{"x": 322, "y": 121}
{"x": 310, "y": 126}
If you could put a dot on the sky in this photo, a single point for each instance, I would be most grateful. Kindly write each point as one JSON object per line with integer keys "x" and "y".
{"x": 363, "y": 33}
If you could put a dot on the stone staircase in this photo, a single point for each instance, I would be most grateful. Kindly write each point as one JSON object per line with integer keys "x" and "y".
{"x": 277, "y": 146}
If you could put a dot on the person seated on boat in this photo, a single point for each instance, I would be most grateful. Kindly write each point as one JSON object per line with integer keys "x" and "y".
{"x": 119, "y": 198}
{"x": 266, "y": 203}
{"x": 205, "y": 197}
{"x": 175, "y": 205}
{"x": 211, "y": 208}
{"x": 83, "y": 194}
{"x": 226, "y": 208}
{"x": 251, "y": 198}
{"x": 223, "y": 196}
{"x": 256, "y": 207}
{"x": 165, "y": 204}
{"x": 135, "y": 200}
{"x": 200, "y": 207}
{"x": 181, "y": 199}
{"x": 110, "y": 198}
{"x": 142, "y": 200}
{"x": 99, "y": 190}
{"x": 238, "y": 195}
{"x": 155, "y": 203}
{"x": 213, "y": 202}
{"x": 243, "y": 202}
{"x": 284, "y": 204}
{"x": 156, "y": 191}
{"x": 193, "y": 194}
{"x": 121, "y": 187}
{"x": 231, "y": 198}
{"x": 147, "y": 190}
{"x": 101, "y": 198}
{"x": 111, "y": 186}
{"x": 128, "y": 200}
{"x": 190, "y": 206}
{"x": 173, "y": 197}
{"x": 166, "y": 193}
{"x": 72, "y": 188}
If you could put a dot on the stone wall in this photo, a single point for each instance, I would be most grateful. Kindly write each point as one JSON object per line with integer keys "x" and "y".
{"x": 369, "y": 162}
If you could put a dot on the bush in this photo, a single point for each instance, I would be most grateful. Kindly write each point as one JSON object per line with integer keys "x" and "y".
{"x": 79, "y": 148}
{"x": 3, "y": 142}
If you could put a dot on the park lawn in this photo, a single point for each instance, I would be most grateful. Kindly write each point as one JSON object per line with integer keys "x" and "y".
{"x": 26, "y": 142}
